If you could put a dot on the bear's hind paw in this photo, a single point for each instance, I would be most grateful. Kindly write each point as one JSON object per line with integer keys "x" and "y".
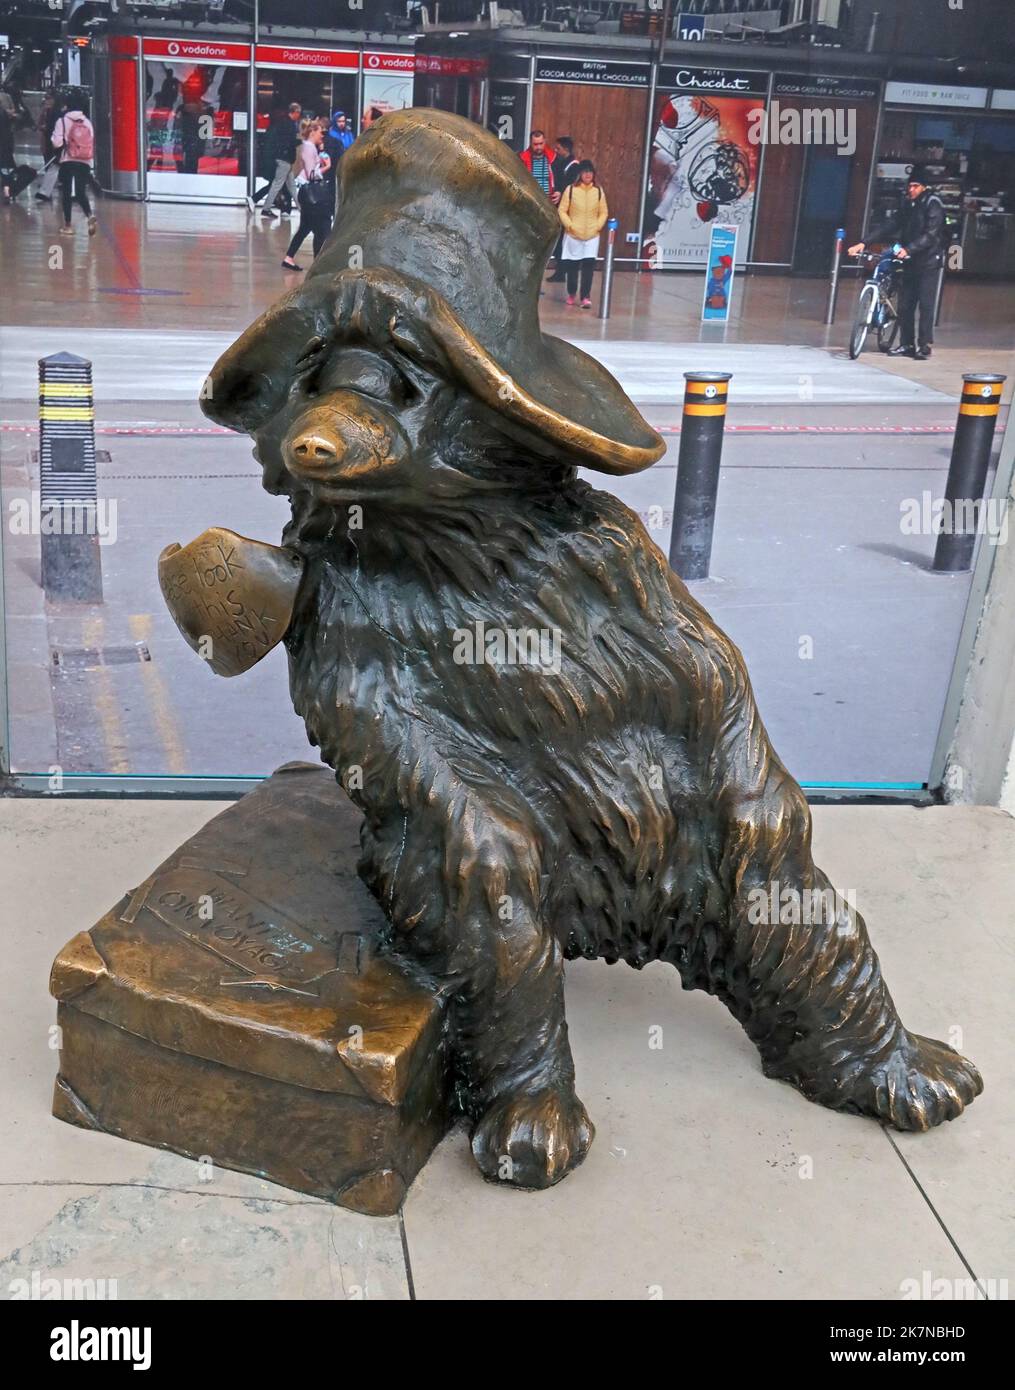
{"x": 919, "y": 1085}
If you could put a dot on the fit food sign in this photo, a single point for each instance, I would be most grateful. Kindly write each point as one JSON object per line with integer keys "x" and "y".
{"x": 926, "y": 94}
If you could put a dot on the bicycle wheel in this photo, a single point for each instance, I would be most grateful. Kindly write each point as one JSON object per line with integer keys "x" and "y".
{"x": 888, "y": 328}
{"x": 865, "y": 307}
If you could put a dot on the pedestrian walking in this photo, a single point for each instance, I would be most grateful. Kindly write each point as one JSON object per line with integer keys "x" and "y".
{"x": 565, "y": 171}
{"x": 314, "y": 194}
{"x": 583, "y": 211}
{"x": 74, "y": 137}
{"x": 536, "y": 159}
{"x": 6, "y": 154}
{"x": 280, "y": 144}
{"x": 337, "y": 139}
{"x": 917, "y": 232}
{"x": 53, "y": 108}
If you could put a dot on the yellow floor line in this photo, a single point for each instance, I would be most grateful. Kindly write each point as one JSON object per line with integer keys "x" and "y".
{"x": 103, "y": 696}
{"x": 158, "y": 697}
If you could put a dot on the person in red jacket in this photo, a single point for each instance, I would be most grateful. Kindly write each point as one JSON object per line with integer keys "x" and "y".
{"x": 537, "y": 160}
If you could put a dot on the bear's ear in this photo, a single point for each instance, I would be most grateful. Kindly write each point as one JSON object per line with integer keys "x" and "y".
{"x": 251, "y": 380}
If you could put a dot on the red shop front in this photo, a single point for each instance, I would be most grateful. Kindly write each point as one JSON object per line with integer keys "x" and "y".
{"x": 196, "y": 119}
{"x": 186, "y": 117}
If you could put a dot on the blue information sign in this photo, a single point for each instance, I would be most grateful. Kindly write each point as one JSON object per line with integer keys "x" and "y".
{"x": 719, "y": 268}
{"x": 690, "y": 26}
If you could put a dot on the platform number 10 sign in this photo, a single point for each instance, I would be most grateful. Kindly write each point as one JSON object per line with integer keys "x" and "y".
{"x": 690, "y": 26}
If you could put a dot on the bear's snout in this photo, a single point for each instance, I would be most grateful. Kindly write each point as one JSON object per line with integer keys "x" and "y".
{"x": 345, "y": 439}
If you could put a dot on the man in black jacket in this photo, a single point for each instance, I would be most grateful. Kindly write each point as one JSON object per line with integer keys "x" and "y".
{"x": 278, "y": 153}
{"x": 919, "y": 230}
{"x": 565, "y": 171}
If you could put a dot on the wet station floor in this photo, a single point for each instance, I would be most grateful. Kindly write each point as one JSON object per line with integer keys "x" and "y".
{"x": 705, "y": 1180}
{"x": 813, "y": 574}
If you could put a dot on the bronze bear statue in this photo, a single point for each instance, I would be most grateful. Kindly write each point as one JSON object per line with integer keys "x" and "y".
{"x": 556, "y": 751}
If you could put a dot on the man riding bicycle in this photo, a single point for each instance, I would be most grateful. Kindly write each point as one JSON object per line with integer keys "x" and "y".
{"x": 918, "y": 231}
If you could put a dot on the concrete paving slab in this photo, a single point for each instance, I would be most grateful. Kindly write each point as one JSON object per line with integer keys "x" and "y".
{"x": 937, "y": 891}
{"x": 149, "y": 1239}
{"x": 706, "y": 1179}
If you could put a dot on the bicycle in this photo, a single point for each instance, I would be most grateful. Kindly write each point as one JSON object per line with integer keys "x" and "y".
{"x": 877, "y": 306}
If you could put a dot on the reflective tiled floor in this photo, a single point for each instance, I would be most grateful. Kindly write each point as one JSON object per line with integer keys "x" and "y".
{"x": 822, "y": 457}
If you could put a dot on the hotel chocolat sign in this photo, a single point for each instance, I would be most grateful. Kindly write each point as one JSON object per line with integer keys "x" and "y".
{"x": 720, "y": 81}
{"x": 800, "y": 84}
{"x": 591, "y": 70}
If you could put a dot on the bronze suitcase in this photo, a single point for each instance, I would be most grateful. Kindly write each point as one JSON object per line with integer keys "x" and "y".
{"x": 238, "y": 1007}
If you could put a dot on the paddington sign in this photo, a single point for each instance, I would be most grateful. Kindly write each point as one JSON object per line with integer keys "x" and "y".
{"x": 270, "y": 55}
{"x": 196, "y": 51}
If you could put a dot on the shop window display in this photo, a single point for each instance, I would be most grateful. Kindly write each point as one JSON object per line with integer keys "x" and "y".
{"x": 972, "y": 159}
{"x": 195, "y": 125}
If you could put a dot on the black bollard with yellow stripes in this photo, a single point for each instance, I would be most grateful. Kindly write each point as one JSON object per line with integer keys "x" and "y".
{"x": 68, "y": 506}
{"x": 967, "y": 471}
{"x": 697, "y": 487}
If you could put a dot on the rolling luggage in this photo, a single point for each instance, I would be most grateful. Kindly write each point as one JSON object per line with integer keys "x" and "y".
{"x": 24, "y": 175}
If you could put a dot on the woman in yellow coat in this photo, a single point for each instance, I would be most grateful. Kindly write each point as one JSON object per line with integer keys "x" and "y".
{"x": 583, "y": 211}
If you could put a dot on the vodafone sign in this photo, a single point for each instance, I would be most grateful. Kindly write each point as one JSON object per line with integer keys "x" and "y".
{"x": 389, "y": 62}
{"x": 271, "y": 55}
{"x": 196, "y": 51}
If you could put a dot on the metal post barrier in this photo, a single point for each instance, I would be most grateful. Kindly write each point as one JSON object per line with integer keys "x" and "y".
{"x": 697, "y": 486}
{"x": 607, "y": 287}
{"x": 967, "y": 471}
{"x": 68, "y": 493}
{"x": 833, "y": 288}
{"x": 939, "y": 292}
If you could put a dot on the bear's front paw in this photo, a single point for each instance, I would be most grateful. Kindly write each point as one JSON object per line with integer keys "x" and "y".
{"x": 532, "y": 1139}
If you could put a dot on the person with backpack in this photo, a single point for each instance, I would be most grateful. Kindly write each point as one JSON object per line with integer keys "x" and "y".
{"x": 917, "y": 232}
{"x": 583, "y": 212}
{"x": 74, "y": 137}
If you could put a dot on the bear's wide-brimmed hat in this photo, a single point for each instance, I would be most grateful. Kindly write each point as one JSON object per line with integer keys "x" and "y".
{"x": 439, "y": 250}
